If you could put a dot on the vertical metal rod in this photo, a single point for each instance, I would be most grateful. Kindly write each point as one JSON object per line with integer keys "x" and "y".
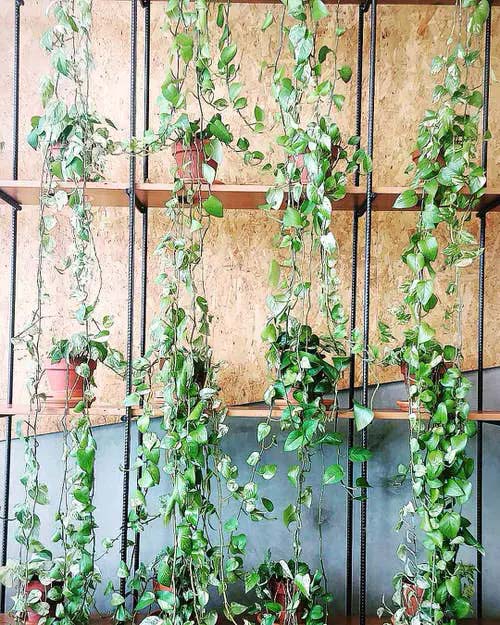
{"x": 147, "y": 65}
{"x": 480, "y": 325}
{"x": 144, "y": 242}
{"x": 130, "y": 303}
{"x": 366, "y": 305}
{"x": 354, "y": 286}
{"x": 12, "y": 296}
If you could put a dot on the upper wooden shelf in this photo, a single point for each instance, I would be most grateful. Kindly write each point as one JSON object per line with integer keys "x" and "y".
{"x": 233, "y": 196}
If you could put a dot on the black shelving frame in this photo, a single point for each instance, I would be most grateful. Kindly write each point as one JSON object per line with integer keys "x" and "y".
{"x": 367, "y": 11}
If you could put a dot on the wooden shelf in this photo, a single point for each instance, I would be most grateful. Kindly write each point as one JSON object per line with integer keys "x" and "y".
{"x": 233, "y": 196}
{"x": 49, "y": 419}
{"x": 261, "y": 411}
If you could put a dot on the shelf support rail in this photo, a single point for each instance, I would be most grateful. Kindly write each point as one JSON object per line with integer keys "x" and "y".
{"x": 354, "y": 282}
{"x": 144, "y": 240}
{"x": 366, "y": 306}
{"x": 480, "y": 320}
{"x": 130, "y": 289}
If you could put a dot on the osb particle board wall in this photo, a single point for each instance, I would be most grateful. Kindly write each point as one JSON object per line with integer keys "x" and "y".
{"x": 239, "y": 247}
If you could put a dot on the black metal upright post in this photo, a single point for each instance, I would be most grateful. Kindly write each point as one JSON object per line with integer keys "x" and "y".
{"x": 366, "y": 305}
{"x": 144, "y": 236}
{"x": 480, "y": 325}
{"x": 12, "y": 293}
{"x": 354, "y": 286}
{"x": 130, "y": 303}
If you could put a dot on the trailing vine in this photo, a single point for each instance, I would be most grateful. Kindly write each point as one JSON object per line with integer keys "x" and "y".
{"x": 440, "y": 589}
{"x": 74, "y": 141}
{"x": 178, "y": 370}
{"x": 308, "y": 364}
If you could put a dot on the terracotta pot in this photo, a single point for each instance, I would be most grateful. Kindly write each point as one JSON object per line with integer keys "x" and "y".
{"x": 412, "y": 598}
{"x": 408, "y": 380}
{"x": 157, "y": 587}
{"x": 415, "y": 155}
{"x": 279, "y": 590}
{"x": 190, "y": 159}
{"x": 304, "y": 174}
{"x": 289, "y": 400}
{"x": 31, "y": 616}
{"x": 65, "y": 383}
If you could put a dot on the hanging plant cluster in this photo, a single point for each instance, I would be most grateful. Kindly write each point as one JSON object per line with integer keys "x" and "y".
{"x": 178, "y": 368}
{"x": 74, "y": 142}
{"x": 440, "y": 589}
{"x": 307, "y": 364}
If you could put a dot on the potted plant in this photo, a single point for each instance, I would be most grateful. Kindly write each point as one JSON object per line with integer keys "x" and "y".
{"x": 433, "y": 362}
{"x": 195, "y": 152}
{"x": 38, "y": 586}
{"x": 71, "y": 365}
{"x": 77, "y": 145}
{"x": 294, "y": 382}
{"x": 287, "y": 592}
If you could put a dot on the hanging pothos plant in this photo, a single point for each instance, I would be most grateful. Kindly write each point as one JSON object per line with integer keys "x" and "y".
{"x": 447, "y": 186}
{"x": 307, "y": 363}
{"x": 74, "y": 142}
{"x": 176, "y": 379}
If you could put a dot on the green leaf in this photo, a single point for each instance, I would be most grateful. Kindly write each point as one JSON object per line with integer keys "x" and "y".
{"x": 268, "y": 20}
{"x": 449, "y": 525}
{"x": 263, "y": 430}
{"x": 294, "y": 440}
{"x": 407, "y": 199}
{"x": 228, "y": 54}
{"x": 292, "y": 218}
{"x": 251, "y": 580}
{"x": 429, "y": 248}
{"x": 289, "y": 515}
{"x": 363, "y": 416}
{"x": 459, "y": 442}
{"x": 147, "y": 599}
{"x": 318, "y": 10}
{"x": 303, "y": 583}
{"x": 268, "y": 471}
{"x": 345, "y": 72}
{"x": 359, "y": 454}
{"x": 425, "y": 333}
{"x": 213, "y": 206}
{"x": 333, "y": 474}
{"x": 461, "y": 608}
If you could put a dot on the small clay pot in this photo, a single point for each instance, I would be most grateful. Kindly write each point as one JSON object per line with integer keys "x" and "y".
{"x": 409, "y": 380}
{"x": 415, "y": 155}
{"x": 190, "y": 159}
{"x": 35, "y": 584}
{"x": 157, "y": 587}
{"x": 65, "y": 383}
{"x": 279, "y": 590}
{"x": 289, "y": 400}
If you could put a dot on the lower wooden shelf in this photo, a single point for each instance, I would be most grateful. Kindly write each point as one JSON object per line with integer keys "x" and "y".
{"x": 50, "y": 419}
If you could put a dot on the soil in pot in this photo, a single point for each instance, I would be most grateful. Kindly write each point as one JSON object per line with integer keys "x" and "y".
{"x": 190, "y": 159}
{"x": 65, "y": 384}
